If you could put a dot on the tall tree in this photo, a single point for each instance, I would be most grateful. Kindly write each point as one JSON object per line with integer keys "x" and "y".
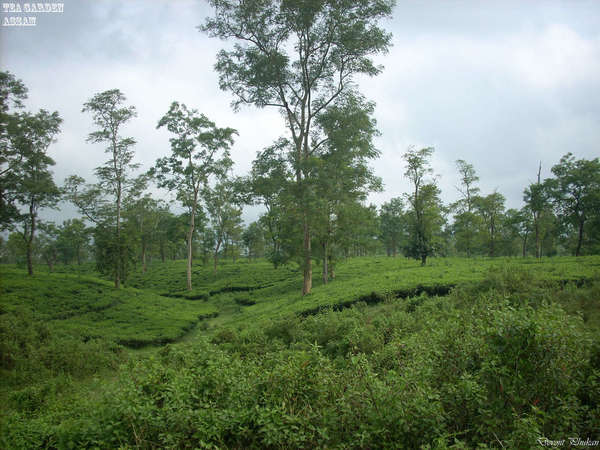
{"x": 426, "y": 214}
{"x": 298, "y": 57}
{"x": 223, "y": 203}
{"x": 34, "y": 186}
{"x": 73, "y": 237}
{"x": 535, "y": 197}
{"x": 270, "y": 185}
{"x": 199, "y": 150}
{"x": 518, "y": 224}
{"x": 465, "y": 220}
{"x": 103, "y": 202}
{"x": 12, "y": 94}
{"x": 576, "y": 192}
{"x": 491, "y": 209}
{"x": 48, "y": 244}
{"x": 253, "y": 238}
{"x": 392, "y": 223}
{"x": 340, "y": 175}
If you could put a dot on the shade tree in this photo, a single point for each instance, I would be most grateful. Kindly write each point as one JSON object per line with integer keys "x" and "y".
{"x": 298, "y": 57}
{"x": 199, "y": 152}
{"x": 102, "y": 202}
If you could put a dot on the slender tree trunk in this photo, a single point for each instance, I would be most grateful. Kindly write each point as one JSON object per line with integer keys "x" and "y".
{"x": 423, "y": 259}
{"x": 29, "y": 259}
{"x": 525, "y": 245}
{"x": 189, "y": 244}
{"x": 307, "y": 282}
{"x": 538, "y": 249}
{"x": 331, "y": 270}
{"x": 144, "y": 267}
{"x": 325, "y": 268}
{"x": 120, "y": 246}
{"x": 216, "y": 257}
{"x": 29, "y": 240}
{"x": 492, "y": 236}
{"x": 579, "y": 237}
{"x": 162, "y": 250}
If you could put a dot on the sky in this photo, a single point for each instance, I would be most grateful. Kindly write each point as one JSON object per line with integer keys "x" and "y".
{"x": 501, "y": 84}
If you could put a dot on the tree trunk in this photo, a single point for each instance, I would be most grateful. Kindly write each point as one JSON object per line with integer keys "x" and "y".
{"x": 325, "y": 268}
{"x": 423, "y": 259}
{"x": 29, "y": 240}
{"x": 579, "y": 238}
{"x": 29, "y": 259}
{"x": 120, "y": 248}
{"x": 538, "y": 249}
{"x": 525, "y": 245}
{"x": 144, "y": 267}
{"x": 492, "y": 236}
{"x": 162, "y": 251}
{"x": 307, "y": 281}
{"x": 189, "y": 244}
{"x": 216, "y": 257}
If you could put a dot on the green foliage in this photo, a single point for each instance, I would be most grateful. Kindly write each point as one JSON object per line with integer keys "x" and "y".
{"x": 199, "y": 151}
{"x": 12, "y": 93}
{"x": 425, "y": 215}
{"x": 88, "y": 308}
{"x": 302, "y": 58}
{"x": 576, "y": 194}
{"x": 495, "y": 363}
{"x": 32, "y": 350}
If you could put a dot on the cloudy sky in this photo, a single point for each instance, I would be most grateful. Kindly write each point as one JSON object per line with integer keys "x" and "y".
{"x": 501, "y": 84}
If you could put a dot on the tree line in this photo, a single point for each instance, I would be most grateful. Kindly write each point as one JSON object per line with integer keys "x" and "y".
{"x": 301, "y": 58}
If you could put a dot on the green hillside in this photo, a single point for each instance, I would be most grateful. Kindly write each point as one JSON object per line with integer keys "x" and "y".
{"x": 389, "y": 354}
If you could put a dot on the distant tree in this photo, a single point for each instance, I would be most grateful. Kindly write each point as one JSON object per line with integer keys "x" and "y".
{"x": 12, "y": 94}
{"x": 466, "y": 222}
{"x": 206, "y": 243}
{"x": 270, "y": 186}
{"x": 491, "y": 209}
{"x": 223, "y": 204}
{"x": 341, "y": 177}
{"x": 102, "y": 203}
{"x": 536, "y": 198}
{"x": 518, "y": 223}
{"x": 15, "y": 249}
{"x": 254, "y": 240}
{"x": 392, "y": 222}
{"x": 142, "y": 213}
{"x": 199, "y": 150}
{"x": 72, "y": 240}
{"x": 426, "y": 214}
{"x": 299, "y": 58}
{"x": 48, "y": 245}
{"x": 576, "y": 193}
{"x": 358, "y": 229}
{"x": 33, "y": 186}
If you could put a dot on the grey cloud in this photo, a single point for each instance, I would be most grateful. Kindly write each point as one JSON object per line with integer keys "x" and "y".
{"x": 501, "y": 84}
